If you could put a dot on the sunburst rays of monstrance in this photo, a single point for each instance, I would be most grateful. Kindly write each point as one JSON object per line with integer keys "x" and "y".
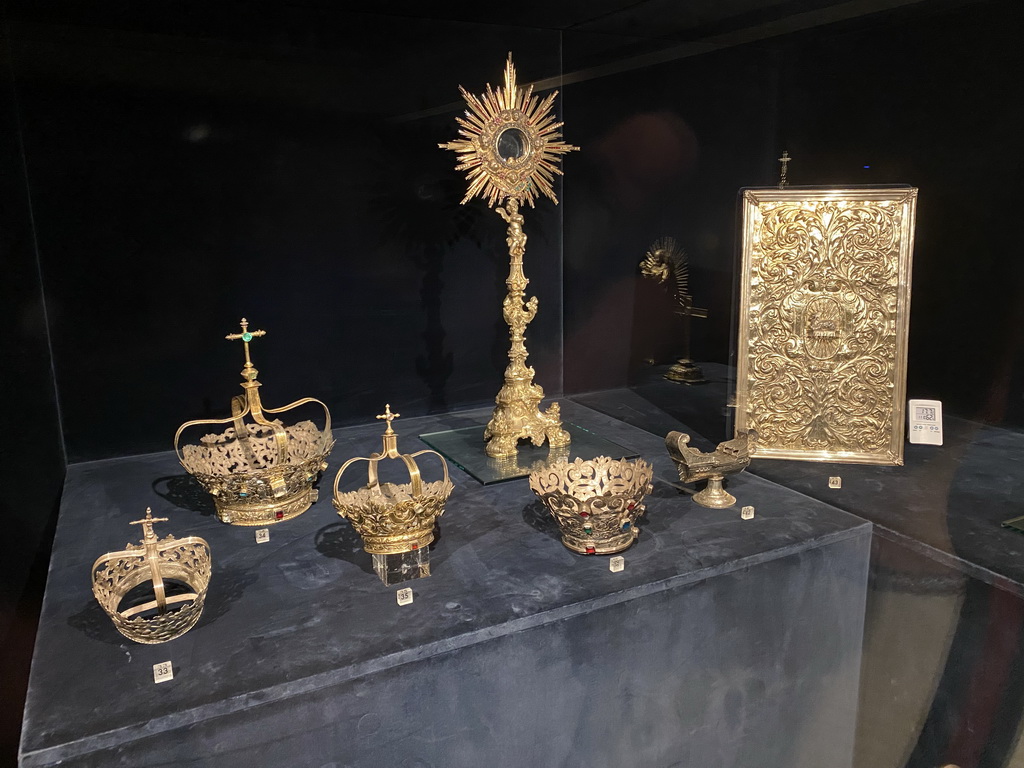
{"x": 510, "y": 149}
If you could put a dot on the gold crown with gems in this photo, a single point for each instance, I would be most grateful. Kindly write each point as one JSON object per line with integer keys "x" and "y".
{"x": 393, "y": 518}
{"x": 259, "y": 470}
{"x": 171, "y": 565}
{"x": 596, "y": 503}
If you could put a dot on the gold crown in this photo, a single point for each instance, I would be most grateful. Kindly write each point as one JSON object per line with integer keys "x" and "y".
{"x": 165, "y": 562}
{"x": 393, "y": 518}
{"x": 596, "y": 503}
{"x": 259, "y": 471}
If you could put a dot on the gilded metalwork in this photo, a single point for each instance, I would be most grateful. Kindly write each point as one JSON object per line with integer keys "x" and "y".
{"x": 823, "y": 322}
{"x": 510, "y": 143}
{"x": 510, "y": 148}
{"x": 596, "y": 503}
{"x": 784, "y": 162}
{"x": 728, "y": 458}
{"x": 163, "y": 562}
{"x": 666, "y": 259}
{"x": 393, "y": 518}
{"x": 259, "y": 471}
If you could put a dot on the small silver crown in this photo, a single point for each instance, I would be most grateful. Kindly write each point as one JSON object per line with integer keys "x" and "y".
{"x": 186, "y": 561}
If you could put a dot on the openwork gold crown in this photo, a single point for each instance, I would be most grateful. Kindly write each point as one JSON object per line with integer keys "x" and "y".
{"x": 170, "y": 564}
{"x": 511, "y": 144}
{"x": 259, "y": 470}
{"x": 596, "y": 503}
{"x": 393, "y": 518}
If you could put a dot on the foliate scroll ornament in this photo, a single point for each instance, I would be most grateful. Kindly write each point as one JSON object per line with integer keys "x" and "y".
{"x": 393, "y": 518}
{"x": 824, "y": 318}
{"x": 390, "y": 519}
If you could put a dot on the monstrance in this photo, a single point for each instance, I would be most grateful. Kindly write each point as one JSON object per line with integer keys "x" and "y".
{"x": 510, "y": 148}
{"x": 666, "y": 259}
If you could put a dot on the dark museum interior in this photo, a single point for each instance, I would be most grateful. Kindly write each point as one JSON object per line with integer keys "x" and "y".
{"x": 167, "y": 169}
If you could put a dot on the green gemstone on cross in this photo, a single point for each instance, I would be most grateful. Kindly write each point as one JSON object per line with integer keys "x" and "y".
{"x": 246, "y": 336}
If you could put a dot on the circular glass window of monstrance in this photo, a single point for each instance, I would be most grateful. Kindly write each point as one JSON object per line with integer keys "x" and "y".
{"x": 512, "y": 144}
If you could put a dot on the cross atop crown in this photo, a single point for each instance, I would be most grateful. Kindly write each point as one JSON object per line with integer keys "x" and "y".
{"x": 147, "y": 524}
{"x": 388, "y": 416}
{"x": 248, "y": 372}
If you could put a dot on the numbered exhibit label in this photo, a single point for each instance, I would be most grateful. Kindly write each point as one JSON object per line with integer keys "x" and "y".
{"x": 163, "y": 672}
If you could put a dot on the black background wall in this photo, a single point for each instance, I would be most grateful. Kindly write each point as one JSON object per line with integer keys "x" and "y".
{"x": 167, "y": 170}
{"x": 185, "y": 170}
{"x": 288, "y": 172}
{"x": 927, "y": 94}
{"x": 664, "y": 150}
{"x": 31, "y": 450}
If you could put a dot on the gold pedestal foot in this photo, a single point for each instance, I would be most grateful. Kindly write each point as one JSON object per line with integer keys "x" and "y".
{"x": 685, "y": 371}
{"x": 518, "y": 419}
{"x": 715, "y": 496}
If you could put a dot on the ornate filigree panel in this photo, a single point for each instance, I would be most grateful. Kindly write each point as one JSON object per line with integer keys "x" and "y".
{"x": 823, "y": 322}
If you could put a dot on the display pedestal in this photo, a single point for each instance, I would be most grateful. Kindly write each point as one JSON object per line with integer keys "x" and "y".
{"x": 722, "y": 642}
{"x": 405, "y": 566}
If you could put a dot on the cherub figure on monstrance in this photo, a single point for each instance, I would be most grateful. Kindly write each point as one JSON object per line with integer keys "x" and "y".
{"x": 510, "y": 148}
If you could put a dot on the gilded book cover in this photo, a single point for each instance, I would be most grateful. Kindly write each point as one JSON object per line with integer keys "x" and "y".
{"x": 824, "y": 316}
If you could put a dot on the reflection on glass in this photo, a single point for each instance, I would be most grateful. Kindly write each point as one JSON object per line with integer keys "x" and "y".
{"x": 511, "y": 144}
{"x": 464, "y": 447}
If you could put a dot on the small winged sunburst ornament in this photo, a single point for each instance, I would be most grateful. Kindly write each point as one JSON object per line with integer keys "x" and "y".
{"x": 666, "y": 263}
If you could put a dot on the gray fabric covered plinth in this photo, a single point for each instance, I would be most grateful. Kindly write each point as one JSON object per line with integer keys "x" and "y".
{"x": 723, "y": 642}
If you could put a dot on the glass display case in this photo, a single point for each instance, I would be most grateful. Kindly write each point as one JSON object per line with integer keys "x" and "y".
{"x": 167, "y": 173}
